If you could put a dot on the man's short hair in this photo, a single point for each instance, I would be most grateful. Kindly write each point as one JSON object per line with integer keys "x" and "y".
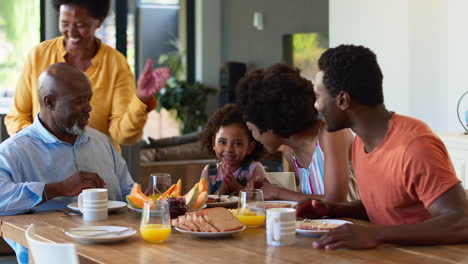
{"x": 353, "y": 69}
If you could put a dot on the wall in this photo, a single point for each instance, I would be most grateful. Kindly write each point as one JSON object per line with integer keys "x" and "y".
{"x": 374, "y": 25}
{"x": 225, "y": 32}
{"x": 457, "y": 58}
{"x": 421, "y": 48}
{"x": 243, "y": 43}
{"x": 208, "y": 44}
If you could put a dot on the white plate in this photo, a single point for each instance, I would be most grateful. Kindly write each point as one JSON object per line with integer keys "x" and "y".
{"x": 100, "y": 234}
{"x": 231, "y": 201}
{"x": 192, "y": 210}
{"x": 316, "y": 233}
{"x": 134, "y": 209}
{"x": 112, "y": 206}
{"x": 211, "y": 234}
{"x": 141, "y": 210}
{"x": 288, "y": 202}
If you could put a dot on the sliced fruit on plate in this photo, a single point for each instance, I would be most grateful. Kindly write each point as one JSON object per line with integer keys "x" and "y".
{"x": 136, "y": 189}
{"x": 167, "y": 192}
{"x": 203, "y": 185}
{"x": 191, "y": 197}
{"x": 177, "y": 189}
{"x": 130, "y": 201}
{"x": 137, "y": 197}
{"x": 202, "y": 198}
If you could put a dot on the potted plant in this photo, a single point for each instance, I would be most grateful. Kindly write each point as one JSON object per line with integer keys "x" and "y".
{"x": 187, "y": 101}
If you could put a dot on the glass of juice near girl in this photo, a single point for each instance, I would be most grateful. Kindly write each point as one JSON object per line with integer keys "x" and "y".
{"x": 251, "y": 211}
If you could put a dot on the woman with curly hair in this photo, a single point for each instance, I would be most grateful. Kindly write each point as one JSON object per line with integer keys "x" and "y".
{"x": 278, "y": 106}
{"x": 227, "y": 137}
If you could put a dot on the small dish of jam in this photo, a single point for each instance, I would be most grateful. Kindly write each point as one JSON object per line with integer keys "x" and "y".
{"x": 177, "y": 207}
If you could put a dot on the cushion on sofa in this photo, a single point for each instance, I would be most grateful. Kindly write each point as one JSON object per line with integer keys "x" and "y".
{"x": 172, "y": 141}
{"x": 188, "y": 151}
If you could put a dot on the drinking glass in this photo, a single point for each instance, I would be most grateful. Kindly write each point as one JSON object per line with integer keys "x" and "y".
{"x": 158, "y": 184}
{"x": 251, "y": 210}
{"x": 155, "y": 223}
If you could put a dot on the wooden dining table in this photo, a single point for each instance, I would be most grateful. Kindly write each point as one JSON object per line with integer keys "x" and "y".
{"x": 248, "y": 246}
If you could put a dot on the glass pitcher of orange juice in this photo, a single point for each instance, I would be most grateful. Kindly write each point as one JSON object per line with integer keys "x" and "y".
{"x": 155, "y": 223}
{"x": 158, "y": 184}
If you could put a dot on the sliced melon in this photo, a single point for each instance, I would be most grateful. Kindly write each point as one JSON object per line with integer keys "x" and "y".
{"x": 167, "y": 192}
{"x": 178, "y": 189}
{"x": 194, "y": 186}
{"x": 136, "y": 198}
{"x": 191, "y": 197}
{"x": 202, "y": 198}
{"x": 203, "y": 185}
{"x": 137, "y": 201}
{"x": 174, "y": 195}
{"x": 129, "y": 201}
{"x": 136, "y": 189}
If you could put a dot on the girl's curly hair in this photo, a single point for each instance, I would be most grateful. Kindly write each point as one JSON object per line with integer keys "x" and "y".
{"x": 228, "y": 115}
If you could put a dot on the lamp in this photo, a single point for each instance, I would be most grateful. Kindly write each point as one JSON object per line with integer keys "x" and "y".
{"x": 258, "y": 20}
{"x": 466, "y": 114}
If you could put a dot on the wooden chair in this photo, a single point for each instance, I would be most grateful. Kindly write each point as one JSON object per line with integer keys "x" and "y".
{"x": 283, "y": 179}
{"x": 50, "y": 253}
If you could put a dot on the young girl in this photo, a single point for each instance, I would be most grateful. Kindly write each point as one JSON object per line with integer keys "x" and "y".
{"x": 227, "y": 137}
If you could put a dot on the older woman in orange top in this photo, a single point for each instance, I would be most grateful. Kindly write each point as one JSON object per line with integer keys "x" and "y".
{"x": 119, "y": 110}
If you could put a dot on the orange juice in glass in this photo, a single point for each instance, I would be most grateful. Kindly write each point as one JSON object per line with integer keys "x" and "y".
{"x": 250, "y": 209}
{"x": 155, "y": 224}
{"x": 252, "y": 219}
{"x": 155, "y": 232}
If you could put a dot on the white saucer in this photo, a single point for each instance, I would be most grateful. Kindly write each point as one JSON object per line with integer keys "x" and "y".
{"x": 317, "y": 233}
{"x": 134, "y": 209}
{"x": 292, "y": 203}
{"x": 141, "y": 210}
{"x": 203, "y": 207}
{"x": 231, "y": 201}
{"x": 211, "y": 234}
{"x": 100, "y": 234}
{"x": 112, "y": 206}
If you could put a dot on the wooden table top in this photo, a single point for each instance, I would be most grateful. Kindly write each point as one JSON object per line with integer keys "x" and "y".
{"x": 248, "y": 246}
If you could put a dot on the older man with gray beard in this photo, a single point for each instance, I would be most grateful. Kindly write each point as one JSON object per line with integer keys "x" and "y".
{"x": 58, "y": 156}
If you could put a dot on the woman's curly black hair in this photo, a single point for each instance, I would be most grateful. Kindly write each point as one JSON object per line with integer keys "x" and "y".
{"x": 228, "y": 115}
{"x": 353, "y": 69}
{"x": 97, "y": 8}
{"x": 277, "y": 98}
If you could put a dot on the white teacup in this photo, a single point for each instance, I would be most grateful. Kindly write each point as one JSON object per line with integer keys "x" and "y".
{"x": 93, "y": 203}
{"x": 94, "y": 194}
{"x": 281, "y": 226}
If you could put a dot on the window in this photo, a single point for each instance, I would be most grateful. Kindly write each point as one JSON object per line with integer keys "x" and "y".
{"x": 107, "y": 31}
{"x": 19, "y": 33}
{"x": 158, "y": 21}
{"x": 303, "y": 51}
